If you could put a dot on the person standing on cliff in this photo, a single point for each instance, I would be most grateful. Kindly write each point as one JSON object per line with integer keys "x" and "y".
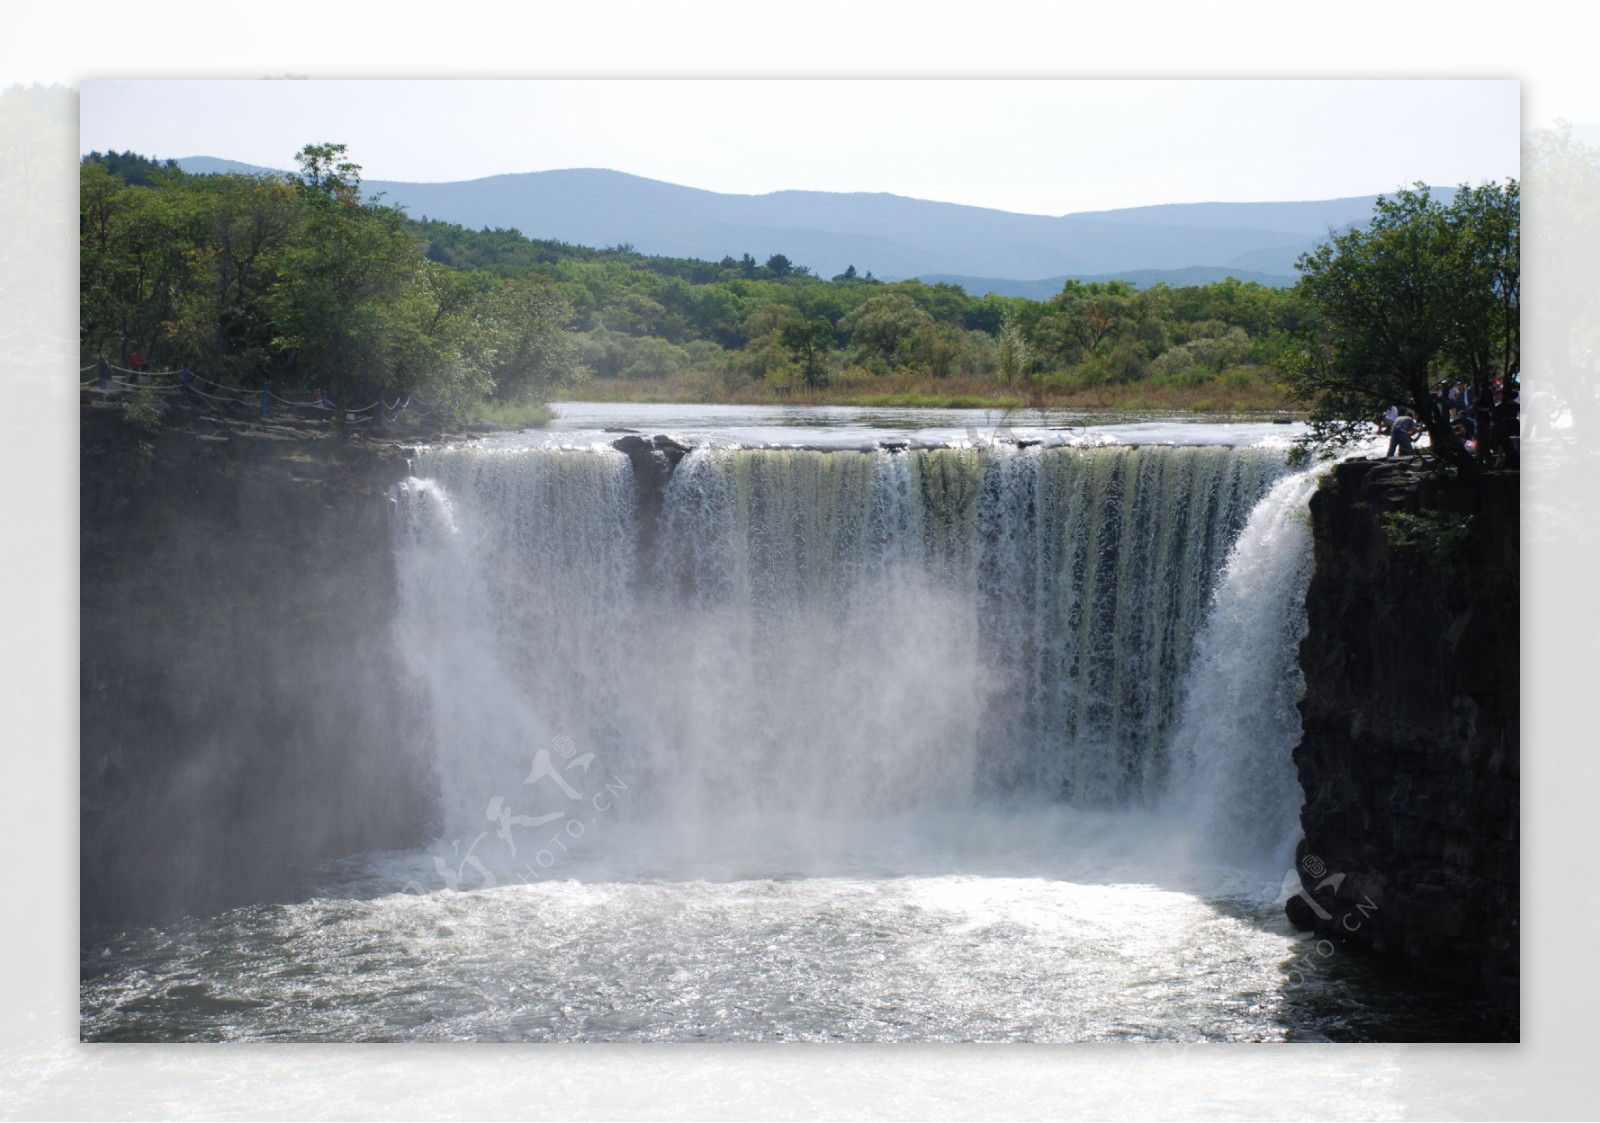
{"x": 1402, "y": 434}
{"x": 1504, "y": 429}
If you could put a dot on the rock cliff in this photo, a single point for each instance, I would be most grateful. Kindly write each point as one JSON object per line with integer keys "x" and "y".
{"x": 242, "y": 711}
{"x": 1409, "y": 752}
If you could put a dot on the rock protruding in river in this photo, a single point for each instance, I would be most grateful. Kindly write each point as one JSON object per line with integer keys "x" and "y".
{"x": 654, "y": 459}
{"x": 1409, "y": 754}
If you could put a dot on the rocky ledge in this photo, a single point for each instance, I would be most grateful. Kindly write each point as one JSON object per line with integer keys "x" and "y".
{"x": 1409, "y": 752}
{"x": 237, "y": 584}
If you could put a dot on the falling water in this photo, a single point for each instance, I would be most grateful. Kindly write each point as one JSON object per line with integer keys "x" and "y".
{"x": 834, "y": 635}
{"x": 1235, "y": 775}
{"x": 950, "y": 743}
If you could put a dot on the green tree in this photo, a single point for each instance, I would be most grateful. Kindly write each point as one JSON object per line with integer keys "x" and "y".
{"x": 808, "y": 341}
{"x": 1485, "y": 341}
{"x": 1424, "y": 288}
{"x": 989, "y": 312}
{"x": 938, "y": 348}
{"x": 132, "y": 168}
{"x": 324, "y": 169}
{"x": 296, "y": 281}
{"x": 1206, "y": 355}
{"x": 653, "y": 357}
{"x": 137, "y": 262}
{"x": 883, "y": 326}
{"x": 1085, "y": 319}
{"x": 224, "y": 324}
{"x": 340, "y": 306}
{"x": 1015, "y": 359}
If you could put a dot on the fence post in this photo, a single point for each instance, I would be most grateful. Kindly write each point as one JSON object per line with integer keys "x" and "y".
{"x": 186, "y": 380}
{"x": 101, "y": 363}
{"x": 264, "y": 387}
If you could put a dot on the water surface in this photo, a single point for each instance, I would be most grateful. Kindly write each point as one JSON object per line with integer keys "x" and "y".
{"x": 979, "y": 732}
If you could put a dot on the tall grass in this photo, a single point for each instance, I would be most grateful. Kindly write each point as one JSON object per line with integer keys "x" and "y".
{"x": 531, "y": 415}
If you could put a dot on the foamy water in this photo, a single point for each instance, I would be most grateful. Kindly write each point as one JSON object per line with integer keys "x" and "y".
{"x": 986, "y": 742}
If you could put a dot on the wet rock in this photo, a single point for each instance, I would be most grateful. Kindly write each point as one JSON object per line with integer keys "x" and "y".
{"x": 654, "y": 460}
{"x": 1410, "y": 716}
{"x": 1299, "y": 913}
{"x": 239, "y": 715}
{"x": 634, "y": 445}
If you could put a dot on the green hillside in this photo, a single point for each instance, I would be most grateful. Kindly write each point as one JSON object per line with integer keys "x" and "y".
{"x": 310, "y": 284}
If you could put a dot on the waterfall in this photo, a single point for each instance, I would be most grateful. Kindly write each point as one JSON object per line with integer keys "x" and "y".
{"x": 986, "y": 742}
{"x": 813, "y": 636}
{"x": 1235, "y": 776}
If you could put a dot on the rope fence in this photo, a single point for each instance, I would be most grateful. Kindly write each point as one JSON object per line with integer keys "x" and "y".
{"x": 189, "y": 383}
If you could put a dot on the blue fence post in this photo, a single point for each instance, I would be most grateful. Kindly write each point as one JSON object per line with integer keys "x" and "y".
{"x": 186, "y": 380}
{"x": 264, "y": 386}
{"x": 101, "y": 363}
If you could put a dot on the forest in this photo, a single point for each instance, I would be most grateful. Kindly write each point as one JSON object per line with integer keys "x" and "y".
{"x": 301, "y": 283}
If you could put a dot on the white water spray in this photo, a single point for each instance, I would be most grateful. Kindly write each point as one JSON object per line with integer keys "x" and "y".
{"x": 806, "y": 746}
{"x": 1234, "y": 774}
{"x": 809, "y": 640}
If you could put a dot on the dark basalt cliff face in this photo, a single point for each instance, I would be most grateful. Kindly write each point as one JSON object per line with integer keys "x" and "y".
{"x": 1409, "y": 752}
{"x": 242, "y": 710}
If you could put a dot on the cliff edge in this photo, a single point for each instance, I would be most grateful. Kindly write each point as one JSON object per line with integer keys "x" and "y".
{"x": 1409, "y": 751}
{"x": 242, "y": 710}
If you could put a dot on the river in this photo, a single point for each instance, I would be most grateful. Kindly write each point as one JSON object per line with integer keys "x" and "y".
{"x": 844, "y": 725}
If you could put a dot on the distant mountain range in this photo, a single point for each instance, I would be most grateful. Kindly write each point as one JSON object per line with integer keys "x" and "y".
{"x": 889, "y": 235}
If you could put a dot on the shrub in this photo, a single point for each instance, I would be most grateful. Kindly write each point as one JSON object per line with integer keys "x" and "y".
{"x": 1436, "y": 537}
{"x": 143, "y": 409}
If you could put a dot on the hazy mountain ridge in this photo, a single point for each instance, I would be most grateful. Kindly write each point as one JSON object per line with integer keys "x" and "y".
{"x": 891, "y": 235}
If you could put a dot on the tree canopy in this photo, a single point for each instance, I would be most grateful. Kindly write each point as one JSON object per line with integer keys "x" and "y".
{"x": 1426, "y": 292}
{"x": 303, "y": 282}
{"x": 299, "y": 282}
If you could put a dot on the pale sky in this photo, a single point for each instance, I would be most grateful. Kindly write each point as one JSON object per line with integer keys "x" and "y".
{"x": 1040, "y": 147}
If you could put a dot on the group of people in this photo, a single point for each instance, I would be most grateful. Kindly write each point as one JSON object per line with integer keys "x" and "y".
{"x": 1472, "y": 418}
